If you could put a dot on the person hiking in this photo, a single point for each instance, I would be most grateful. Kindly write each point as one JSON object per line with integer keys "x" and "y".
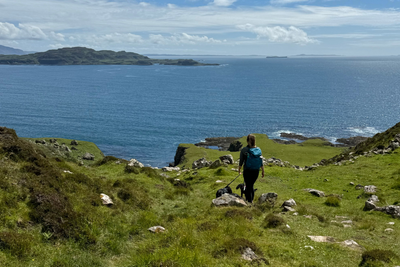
{"x": 250, "y": 157}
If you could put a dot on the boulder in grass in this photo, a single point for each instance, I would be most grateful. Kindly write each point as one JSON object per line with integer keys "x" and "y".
{"x": 216, "y": 164}
{"x": 289, "y": 203}
{"x": 227, "y": 158}
{"x": 370, "y": 189}
{"x": 322, "y": 239}
{"x": 315, "y": 192}
{"x": 88, "y": 156}
{"x": 74, "y": 143}
{"x": 200, "y": 163}
{"x": 228, "y": 200}
{"x": 270, "y": 198}
{"x": 170, "y": 169}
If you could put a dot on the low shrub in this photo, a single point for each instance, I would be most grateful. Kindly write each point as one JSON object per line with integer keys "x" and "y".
{"x": 106, "y": 160}
{"x": 131, "y": 169}
{"x": 371, "y": 257}
{"x": 272, "y": 221}
{"x": 18, "y": 244}
{"x": 221, "y": 172}
{"x": 332, "y": 202}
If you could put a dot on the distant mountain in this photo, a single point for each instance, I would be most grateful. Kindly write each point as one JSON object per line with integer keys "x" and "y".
{"x": 87, "y": 56}
{"x": 5, "y": 50}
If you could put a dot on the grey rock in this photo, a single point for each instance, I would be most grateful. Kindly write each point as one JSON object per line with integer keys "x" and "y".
{"x": 389, "y": 230}
{"x": 52, "y": 141}
{"x": 74, "y": 143}
{"x": 373, "y": 198}
{"x": 106, "y": 200}
{"x": 227, "y": 158}
{"x": 322, "y": 239}
{"x": 200, "y": 163}
{"x": 170, "y": 169}
{"x": 370, "y": 189}
{"x": 268, "y": 197}
{"x": 392, "y": 210}
{"x": 215, "y": 164}
{"x": 315, "y": 192}
{"x": 351, "y": 183}
{"x": 369, "y": 205}
{"x": 88, "y": 156}
{"x": 249, "y": 255}
{"x": 135, "y": 163}
{"x": 74, "y": 148}
{"x": 289, "y": 203}
{"x": 229, "y": 200}
{"x": 351, "y": 244}
{"x": 40, "y": 142}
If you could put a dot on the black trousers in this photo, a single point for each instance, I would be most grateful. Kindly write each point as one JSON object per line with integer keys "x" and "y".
{"x": 250, "y": 177}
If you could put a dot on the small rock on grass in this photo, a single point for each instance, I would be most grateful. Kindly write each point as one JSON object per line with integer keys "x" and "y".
{"x": 106, "y": 200}
{"x": 322, "y": 239}
{"x": 157, "y": 229}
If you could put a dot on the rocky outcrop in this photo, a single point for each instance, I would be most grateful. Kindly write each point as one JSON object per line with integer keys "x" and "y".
{"x": 289, "y": 203}
{"x": 179, "y": 155}
{"x": 88, "y": 156}
{"x": 216, "y": 164}
{"x": 170, "y": 169}
{"x": 74, "y": 143}
{"x": 223, "y": 143}
{"x": 201, "y": 163}
{"x": 269, "y": 198}
{"x": 351, "y": 141}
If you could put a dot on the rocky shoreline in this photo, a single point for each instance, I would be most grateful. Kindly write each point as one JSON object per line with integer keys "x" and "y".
{"x": 232, "y": 144}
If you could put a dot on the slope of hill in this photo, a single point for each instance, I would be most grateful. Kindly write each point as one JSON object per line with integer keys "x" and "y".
{"x": 5, "y": 50}
{"x": 87, "y": 56}
{"x": 52, "y": 214}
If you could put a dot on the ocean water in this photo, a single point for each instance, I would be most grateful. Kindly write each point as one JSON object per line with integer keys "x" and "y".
{"x": 144, "y": 112}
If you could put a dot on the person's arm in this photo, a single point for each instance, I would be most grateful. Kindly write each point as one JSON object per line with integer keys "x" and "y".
{"x": 262, "y": 171}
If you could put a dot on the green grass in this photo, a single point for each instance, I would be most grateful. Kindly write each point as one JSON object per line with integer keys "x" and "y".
{"x": 52, "y": 218}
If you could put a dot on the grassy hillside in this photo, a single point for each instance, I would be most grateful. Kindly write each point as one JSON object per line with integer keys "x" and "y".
{"x": 54, "y": 218}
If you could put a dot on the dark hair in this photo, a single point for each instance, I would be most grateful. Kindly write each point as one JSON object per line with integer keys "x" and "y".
{"x": 251, "y": 139}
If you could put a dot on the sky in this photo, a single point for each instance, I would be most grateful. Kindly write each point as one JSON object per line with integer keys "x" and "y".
{"x": 205, "y": 27}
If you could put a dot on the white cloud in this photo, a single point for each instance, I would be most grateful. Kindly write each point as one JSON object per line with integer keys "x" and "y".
{"x": 144, "y": 4}
{"x": 9, "y": 31}
{"x": 285, "y": 2}
{"x": 182, "y": 38}
{"x": 57, "y": 36}
{"x": 171, "y": 6}
{"x": 279, "y": 34}
{"x": 224, "y": 2}
{"x": 347, "y": 35}
{"x": 126, "y": 38}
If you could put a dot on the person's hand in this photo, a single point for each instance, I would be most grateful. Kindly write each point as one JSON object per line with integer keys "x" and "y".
{"x": 262, "y": 174}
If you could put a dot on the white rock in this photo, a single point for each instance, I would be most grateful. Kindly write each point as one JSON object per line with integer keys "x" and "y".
{"x": 106, "y": 199}
{"x": 295, "y": 214}
{"x": 228, "y": 200}
{"x": 390, "y": 223}
{"x": 249, "y": 255}
{"x": 219, "y": 181}
{"x": 346, "y": 225}
{"x": 135, "y": 163}
{"x": 347, "y": 222}
{"x": 351, "y": 244}
{"x": 310, "y": 247}
{"x": 156, "y": 229}
{"x": 68, "y": 172}
{"x": 389, "y": 230}
{"x": 322, "y": 239}
{"x": 287, "y": 226}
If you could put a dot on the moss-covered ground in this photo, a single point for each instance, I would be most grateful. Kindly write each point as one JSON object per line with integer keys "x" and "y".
{"x": 50, "y": 217}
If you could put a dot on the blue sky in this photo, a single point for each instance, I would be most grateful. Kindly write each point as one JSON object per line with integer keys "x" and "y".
{"x": 220, "y": 27}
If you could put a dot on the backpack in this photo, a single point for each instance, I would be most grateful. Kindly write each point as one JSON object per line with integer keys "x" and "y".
{"x": 254, "y": 160}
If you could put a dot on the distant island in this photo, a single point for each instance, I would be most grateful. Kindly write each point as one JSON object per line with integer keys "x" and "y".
{"x": 316, "y": 55}
{"x": 5, "y": 50}
{"x": 87, "y": 56}
{"x": 276, "y": 56}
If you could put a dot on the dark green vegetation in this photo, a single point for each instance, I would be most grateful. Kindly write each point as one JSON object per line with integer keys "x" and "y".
{"x": 51, "y": 213}
{"x": 87, "y": 56}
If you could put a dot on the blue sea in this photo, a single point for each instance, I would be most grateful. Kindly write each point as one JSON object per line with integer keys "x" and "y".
{"x": 145, "y": 112}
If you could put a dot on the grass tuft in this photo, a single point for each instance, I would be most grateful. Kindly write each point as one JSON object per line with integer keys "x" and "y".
{"x": 272, "y": 221}
{"x": 332, "y": 202}
{"x": 372, "y": 257}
